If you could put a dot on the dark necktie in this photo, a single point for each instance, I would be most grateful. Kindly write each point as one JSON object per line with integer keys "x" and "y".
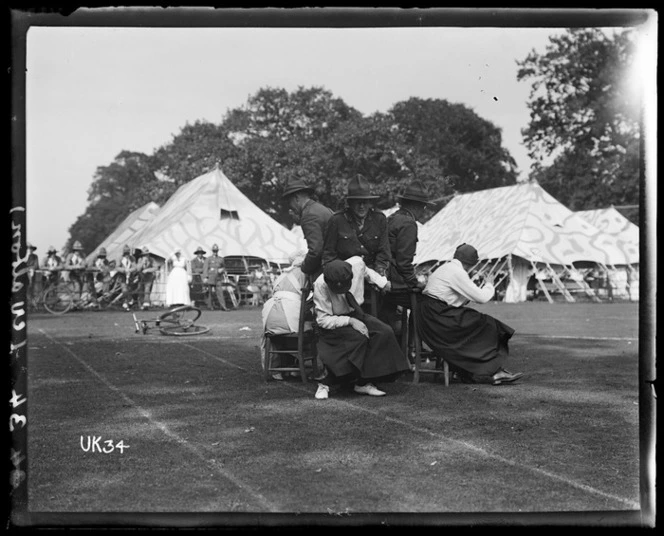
{"x": 359, "y": 313}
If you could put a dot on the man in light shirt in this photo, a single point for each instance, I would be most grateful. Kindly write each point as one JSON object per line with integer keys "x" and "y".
{"x": 473, "y": 343}
{"x": 353, "y": 346}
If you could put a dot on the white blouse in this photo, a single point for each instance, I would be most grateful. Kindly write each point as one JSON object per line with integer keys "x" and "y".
{"x": 452, "y": 284}
{"x": 332, "y": 309}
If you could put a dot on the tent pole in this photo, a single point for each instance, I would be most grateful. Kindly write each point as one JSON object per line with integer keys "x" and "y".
{"x": 559, "y": 284}
{"x": 586, "y": 288}
{"x": 510, "y": 273}
{"x": 541, "y": 284}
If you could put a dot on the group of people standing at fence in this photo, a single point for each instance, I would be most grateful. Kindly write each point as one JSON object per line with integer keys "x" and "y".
{"x": 135, "y": 276}
{"x": 357, "y": 248}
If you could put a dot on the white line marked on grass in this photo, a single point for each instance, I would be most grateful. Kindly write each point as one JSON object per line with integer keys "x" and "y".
{"x": 221, "y": 359}
{"x": 533, "y": 335}
{"x": 479, "y": 450}
{"x": 164, "y": 428}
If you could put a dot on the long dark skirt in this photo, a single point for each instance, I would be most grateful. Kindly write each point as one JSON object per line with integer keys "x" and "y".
{"x": 467, "y": 339}
{"x": 345, "y": 351}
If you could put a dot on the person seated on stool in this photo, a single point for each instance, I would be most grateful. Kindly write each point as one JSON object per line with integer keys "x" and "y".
{"x": 473, "y": 343}
{"x": 353, "y": 346}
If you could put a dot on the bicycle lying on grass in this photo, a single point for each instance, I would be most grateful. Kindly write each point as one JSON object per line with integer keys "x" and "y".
{"x": 179, "y": 321}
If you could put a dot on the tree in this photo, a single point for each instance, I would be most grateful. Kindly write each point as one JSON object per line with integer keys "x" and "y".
{"x": 450, "y": 147}
{"x": 280, "y": 136}
{"x": 118, "y": 189}
{"x": 584, "y": 118}
{"x": 196, "y": 150}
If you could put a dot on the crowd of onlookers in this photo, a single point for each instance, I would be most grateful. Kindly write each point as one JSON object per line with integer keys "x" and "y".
{"x": 129, "y": 280}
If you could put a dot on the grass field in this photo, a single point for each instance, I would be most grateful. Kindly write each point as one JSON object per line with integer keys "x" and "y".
{"x": 206, "y": 434}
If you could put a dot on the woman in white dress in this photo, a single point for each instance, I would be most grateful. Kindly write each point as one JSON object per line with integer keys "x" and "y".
{"x": 177, "y": 284}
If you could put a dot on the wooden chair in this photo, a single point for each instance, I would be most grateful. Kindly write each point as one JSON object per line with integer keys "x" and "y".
{"x": 410, "y": 339}
{"x": 301, "y": 345}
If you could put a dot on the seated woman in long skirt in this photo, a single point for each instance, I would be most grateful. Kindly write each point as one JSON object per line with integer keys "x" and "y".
{"x": 473, "y": 343}
{"x": 355, "y": 347}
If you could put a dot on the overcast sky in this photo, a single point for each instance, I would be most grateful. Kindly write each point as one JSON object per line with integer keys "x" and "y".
{"x": 93, "y": 92}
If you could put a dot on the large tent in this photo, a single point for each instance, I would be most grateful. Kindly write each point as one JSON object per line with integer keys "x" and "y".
{"x": 211, "y": 210}
{"x": 524, "y": 228}
{"x": 123, "y": 233}
{"x": 610, "y": 221}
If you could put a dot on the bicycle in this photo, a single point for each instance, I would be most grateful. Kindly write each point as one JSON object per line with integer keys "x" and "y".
{"x": 56, "y": 297}
{"x": 179, "y": 321}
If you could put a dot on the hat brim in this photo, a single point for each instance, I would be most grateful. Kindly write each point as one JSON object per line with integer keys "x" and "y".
{"x": 423, "y": 201}
{"x": 295, "y": 190}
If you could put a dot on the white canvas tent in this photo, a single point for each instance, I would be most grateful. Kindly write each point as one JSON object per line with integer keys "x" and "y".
{"x": 124, "y": 232}
{"x": 524, "y": 228}
{"x": 211, "y": 210}
{"x": 610, "y": 221}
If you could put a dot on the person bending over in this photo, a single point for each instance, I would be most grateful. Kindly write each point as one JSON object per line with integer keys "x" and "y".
{"x": 473, "y": 343}
{"x": 353, "y": 346}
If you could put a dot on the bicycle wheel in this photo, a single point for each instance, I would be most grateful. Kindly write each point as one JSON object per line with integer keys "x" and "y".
{"x": 182, "y": 331}
{"x": 58, "y": 300}
{"x": 185, "y": 315}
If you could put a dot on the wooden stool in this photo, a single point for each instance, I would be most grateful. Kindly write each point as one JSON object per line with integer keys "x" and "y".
{"x": 441, "y": 366}
{"x": 302, "y": 344}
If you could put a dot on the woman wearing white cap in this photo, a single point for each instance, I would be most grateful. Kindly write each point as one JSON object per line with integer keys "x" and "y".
{"x": 177, "y": 284}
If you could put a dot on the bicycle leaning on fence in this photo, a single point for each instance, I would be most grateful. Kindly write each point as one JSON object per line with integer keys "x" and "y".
{"x": 49, "y": 292}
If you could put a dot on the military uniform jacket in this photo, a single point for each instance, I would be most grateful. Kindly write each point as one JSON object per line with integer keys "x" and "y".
{"x": 52, "y": 263}
{"x": 402, "y": 235}
{"x": 344, "y": 239}
{"x": 125, "y": 266}
{"x": 147, "y": 265}
{"x": 197, "y": 265}
{"x": 74, "y": 260}
{"x": 33, "y": 261}
{"x": 314, "y": 221}
{"x": 213, "y": 268}
{"x": 102, "y": 264}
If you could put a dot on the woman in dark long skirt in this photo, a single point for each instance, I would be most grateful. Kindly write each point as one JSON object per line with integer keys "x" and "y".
{"x": 355, "y": 347}
{"x": 473, "y": 343}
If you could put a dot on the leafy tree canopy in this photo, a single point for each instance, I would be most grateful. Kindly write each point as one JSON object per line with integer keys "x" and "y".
{"x": 584, "y": 118}
{"x": 308, "y": 133}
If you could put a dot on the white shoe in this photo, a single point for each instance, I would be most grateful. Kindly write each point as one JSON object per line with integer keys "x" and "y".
{"x": 277, "y": 376}
{"x": 369, "y": 389}
{"x": 323, "y": 392}
{"x": 125, "y": 306}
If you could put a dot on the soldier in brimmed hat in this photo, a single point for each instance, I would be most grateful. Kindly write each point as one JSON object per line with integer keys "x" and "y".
{"x": 402, "y": 235}
{"x": 32, "y": 265}
{"x": 359, "y": 230}
{"x": 75, "y": 263}
{"x": 126, "y": 271}
{"x": 312, "y": 217}
{"x": 147, "y": 267}
{"x": 214, "y": 274}
{"x": 473, "y": 343}
{"x": 102, "y": 276}
{"x": 354, "y": 347}
{"x": 197, "y": 266}
{"x": 52, "y": 264}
